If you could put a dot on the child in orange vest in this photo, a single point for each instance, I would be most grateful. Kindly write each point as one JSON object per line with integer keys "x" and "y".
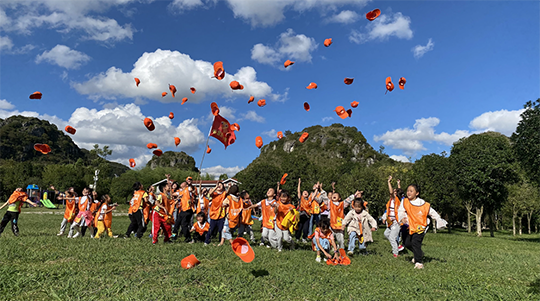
{"x": 337, "y": 213}
{"x": 136, "y": 217}
{"x": 71, "y": 210}
{"x": 216, "y": 211}
{"x": 185, "y": 213}
{"x": 200, "y": 228}
{"x": 391, "y": 217}
{"x": 245, "y": 220}
{"x": 281, "y": 208}
{"x": 84, "y": 217}
{"x": 235, "y": 206}
{"x": 103, "y": 219}
{"x": 414, "y": 211}
{"x": 323, "y": 239}
{"x": 304, "y": 207}
{"x": 268, "y": 216}
{"x": 14, "y": 203}
{"x": 354, "y": 221}
{"x": 161, "y": 218}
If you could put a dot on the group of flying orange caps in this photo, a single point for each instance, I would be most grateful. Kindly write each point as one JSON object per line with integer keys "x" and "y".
{"x": 219, "y": 74}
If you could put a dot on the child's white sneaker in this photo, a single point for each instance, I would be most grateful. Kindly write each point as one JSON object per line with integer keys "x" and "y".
{"x": 304, "y": 240}
{"x": 418, "y": 266}
{"x": 318, "y": 259}
{"x": 261, "y": 244}
{"x": 60, "y": 234}
{"x": 350, "y": 253}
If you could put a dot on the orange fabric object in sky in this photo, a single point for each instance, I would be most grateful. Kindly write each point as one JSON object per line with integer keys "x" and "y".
{"x": 70, "y": 130}
{"x": 402, "y": 82}
{"x": 36, "y": 95}
{"x": 149, "y": 124}
{"x": 258, "y": 141}
{"x": 280, "y": 134}
{"x": 306, "y": 106}
{"x": 151, "y": 145}
{"x": 261, "y": 102}
{"x": 312, "y": 86}
{"x": 328, "y": 42}
{"x": 193, "y": 90}
{"x": 348, "y": 80}
{"x": 354, "y": 104}
{"x": 176, "y": 141}
{"x": 219, "y": 72}
{"x": 163, "y": 94}
{"x": 288, "y": 63}
{"x": 184, "y": 100}
{"x": 251, "y": 99}
{"x": 171, "y": 115}
{"x": 137, "y": 81}
{"x": 132, "y": 163}
{"x": 158, "y": 152}
{"x": 372, "y": 15}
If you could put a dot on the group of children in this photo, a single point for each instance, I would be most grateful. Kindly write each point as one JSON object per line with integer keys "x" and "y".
{"x": 223, "y": 211}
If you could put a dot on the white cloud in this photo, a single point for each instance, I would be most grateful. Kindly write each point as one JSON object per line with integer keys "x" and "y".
{"x": 6, "y": 46}
{"x": 252, "y": 116}
{"x": 400, "y": 158}
{"x": 216, "y": 171}
{"x": 271, "y": 133}
{"x": 6, "y": 105}
{"x": 344, "y": 17}
{"x": 65, "y": 16}
{"x": 420, "y": 50}
{"x": 502, "y": 121}
{"x": 5, "y": 43}
{"x": 384, "y": 27}
{"x": 326, "y": 119}
{"x": 295, "y": 47}
{"x": 267, "y": 13}
{"x": 226, "y": 112}
{"x": 123, "y": 130}
{"x": 158, "y": 69}
{"x": 63, "y": 56}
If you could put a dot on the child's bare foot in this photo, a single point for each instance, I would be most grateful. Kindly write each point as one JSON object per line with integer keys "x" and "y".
{"x": 220, "y": 244}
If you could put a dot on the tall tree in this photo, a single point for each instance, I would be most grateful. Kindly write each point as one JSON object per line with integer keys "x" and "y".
{"x": 483, "y": 165}
{"x": 526, "y": 140}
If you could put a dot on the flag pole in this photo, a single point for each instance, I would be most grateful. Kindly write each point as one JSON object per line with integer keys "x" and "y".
{"x": 204, "y": 153}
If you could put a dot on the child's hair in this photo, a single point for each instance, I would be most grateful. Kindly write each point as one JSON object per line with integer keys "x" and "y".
{"x": 162, "y": 186}
{"x": 201, "y": 214}
{"x": 359, "y": 203}
{"x": 243, "y": 194}
{"x": 175, "y": 183}
{"x": 416, "y": 188}
{"x": 324, "y": 224}
{"x": 400, "y": 193}
{"x": 137, "y": 186}
{"x": 233, "y": 190}
{"x": 105, "y": 198}
{"x": 284, "y": 193}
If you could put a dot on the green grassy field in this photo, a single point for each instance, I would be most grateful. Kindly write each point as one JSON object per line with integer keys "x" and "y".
{"x": 38, "y": 265}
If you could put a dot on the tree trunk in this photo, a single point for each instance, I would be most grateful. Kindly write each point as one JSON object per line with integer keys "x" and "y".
{"x": 469, "y": 226}
{"x": 520, "y": 218}
{"x": 478, "y": 216}
{"x": 514, "y": 214}
{"x": 434, "y": 224}
{"x": 491, "y": 224}
{"x": 529, "y": 217}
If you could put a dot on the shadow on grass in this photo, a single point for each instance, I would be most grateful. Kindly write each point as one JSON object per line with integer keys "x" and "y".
{"x": 534, "y": 287}
{"x": 260, "y": 273}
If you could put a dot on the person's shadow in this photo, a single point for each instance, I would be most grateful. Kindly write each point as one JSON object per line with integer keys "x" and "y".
{"x": 259, "y": 273}
{"x": 534, "y": 287}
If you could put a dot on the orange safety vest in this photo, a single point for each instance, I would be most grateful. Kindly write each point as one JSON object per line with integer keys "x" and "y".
{"x": 136, "y": 201}
{"x": 246, "y": 213}
{"x": 69, "y": 213}
{"x": 83, "y": 206}
{"x": 417, "y": 216}
{"x": 282, "y": 211}
{"x": 336, "y": 215}
{"x": 235, "y": 208}
{"x": 315, "y": 208}
{"x": 164, "y": 202}
{"x": 305, "y": 205}
{"x": 268, "y": 214}
{"x": 396, "y": 206}
{"x": 185, "y": 200}
{"x": 216, "y": 211}
{"x": 107, "y": 218}
{"x": 200, "y": 230}
{"x": 147, "y": 208}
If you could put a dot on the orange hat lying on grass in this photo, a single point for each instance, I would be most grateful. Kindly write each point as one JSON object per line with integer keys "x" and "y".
{"x": 243, "y": 250}
{"x": 137, "y": 81}
{"x": 70, "y": 129}
{"x": 341, "y": 260}
{"x": 189, "y": 262}
{"x": 132, "y": 163}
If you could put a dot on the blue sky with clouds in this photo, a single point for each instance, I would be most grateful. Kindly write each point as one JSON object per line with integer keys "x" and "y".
{"x": 470, "y": 67}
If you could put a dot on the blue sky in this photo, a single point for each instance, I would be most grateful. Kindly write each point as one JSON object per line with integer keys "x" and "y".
{"x": 470, "y": 67}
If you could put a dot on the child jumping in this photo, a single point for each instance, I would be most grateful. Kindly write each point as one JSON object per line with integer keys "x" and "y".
{"x": 391, "y": 218}
{"x": 268, "y": 216}
{"x": 281, "y": 208}
{"x": 14, "y": 203}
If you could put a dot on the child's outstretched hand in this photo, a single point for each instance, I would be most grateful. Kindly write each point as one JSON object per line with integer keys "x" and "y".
{"x": 373, "y": 229}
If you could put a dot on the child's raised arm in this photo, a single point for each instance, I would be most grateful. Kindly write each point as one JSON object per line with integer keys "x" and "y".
{"x": 390, "y": 189}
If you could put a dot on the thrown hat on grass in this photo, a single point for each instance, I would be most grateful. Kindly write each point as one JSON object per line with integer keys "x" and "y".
{"x": 189, "y": 262}
{"x": 243, "y": 250}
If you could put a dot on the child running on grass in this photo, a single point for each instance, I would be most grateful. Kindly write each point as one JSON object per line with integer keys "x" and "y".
{"x": 246, "y": 220}
{"x": 71, "y": 210}
{"x": 354, "y": 221}
{"x": 414, "y": 211}
{"x": 200, "y": 228}
{"x": 323, "y": 239}
{"x": 161, "y": 218}
{"x": 84, "y": 217}
{"x": 268, "y": 216}
{"x": 14, "y": 203}
{"x": 136, "y": 217}
{"x": 281, "y": 208}
{"x": 103, "y": 219}
{"x": 391, "y": 217}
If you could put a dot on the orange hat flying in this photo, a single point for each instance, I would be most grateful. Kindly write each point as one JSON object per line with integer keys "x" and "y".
{"x": 176, "y": 141}
{"x": 306, "y": 106}
{"x": 402, "y": 82}
{"x": 251, "y": 99}
{"x": 70, "y": 130}
{"x": 261, "y": 102}
{"x": 288, "y": 63}
{"x": 312, "y": 86}
{"x": 242, "y": 249}
{"x": 341, "y": 112}
{"x": 193, "y": 90}
{"x": 389, "y": 85}
{"x": 215, "y": 108}
{"x": 236, "y": 85}
{"x": 303, "y": 138}
{"x": 151, "y": 145}
{"x": 163, "y": 94}
{"x": 235, "y": 127}
{"x": 184, "y": 100}
{"x": 36, "y": 95}
{"x": 42, "y": 148}
{"x": 137, "y": 81}
{"x": 372, "y": 15}
{"x": 348, "y": 80}
{"x": 132, "y": 163}
{"x": 283, "y": 179}
{"x": 189, "y": 262}
{"x": 172, "y": 88}
{"x": 219, "y": 72}
{"x": 349, "y": 112}
{"x": 354, "y": 104}
{"x": 157, "y": 152}
{"x": 258, "y": 142}
{"x": 280, "y": 134}
{"x": 171, "y": 115}
{"x": 149, "y": 124}
{"x": 328, "y": 42}
{"x": 208, "y": 150}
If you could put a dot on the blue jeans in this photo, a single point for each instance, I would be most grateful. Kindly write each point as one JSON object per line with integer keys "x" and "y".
{"x": 228, "y": 232}
{"x": 215, "y": 223}
{"x": 353, "y": 238}
{"x": 325, "y": 244}
{"x": 314, "y": 220}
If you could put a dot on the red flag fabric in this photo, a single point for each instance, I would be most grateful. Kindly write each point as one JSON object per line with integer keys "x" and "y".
{"x": 222, "y": 131}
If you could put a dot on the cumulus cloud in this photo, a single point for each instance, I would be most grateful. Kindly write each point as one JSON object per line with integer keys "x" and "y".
{"x": 6, "y": 105}
{"x": 63, "y": 56}
{"x": 252, "y": 116}
{"x": 158, "y": 69}
{"x": 271, "y": 133}
{"x": 296, "y": 47}
{"x": 400, "y": 158}
{"x": 385, "y": 26}
{"x": 216, "y": 171}
{"x": 182, "y": 5}
{"x": 344, "y": 17}
{"x": 65, "y": 16}
{"x": 419, "y": 50}
{"x": 122, "y": 129}
{"x": 502, "y": 121}
{"x": 5, "y": 43}
{"x": 326, "y": 119}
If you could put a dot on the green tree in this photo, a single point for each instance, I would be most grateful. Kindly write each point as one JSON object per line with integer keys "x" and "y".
{"x": 223, "y": 177}
{"x": 526, "y": 140}
{"x": 483, "y": 164}
{"x": 101, "y": 152}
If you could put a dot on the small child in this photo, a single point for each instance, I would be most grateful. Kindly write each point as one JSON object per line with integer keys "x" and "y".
{"x": 200, "y": 228}
{"x": 354, "y": 221}
{"x": 232, "y": 222}
{"x": 103, "y": 219}
{"x": 14, "y": 203}
{"x": 281, "y": 208}
{"x": 336, "y": 218}
{"x": 268, "y": 216}
{"x": 323, "y": 239}
{"x": 304, "y": 207}
{"x": 246, "y": 220}
{"x": 70, "y": 211}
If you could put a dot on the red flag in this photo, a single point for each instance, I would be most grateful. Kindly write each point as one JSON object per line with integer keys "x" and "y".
{"x": 222, "y": 131}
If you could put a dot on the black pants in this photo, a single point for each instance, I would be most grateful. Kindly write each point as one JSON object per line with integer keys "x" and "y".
{"x": 198, "y": 237}
{"x": 414, "y": 243}
{"x": 303, "y": 227}
{"x": 183, "y": 218}
{"x": 12, "y": 217}
{"x": 215, "y": 224}
{"x": 137, "y": 224}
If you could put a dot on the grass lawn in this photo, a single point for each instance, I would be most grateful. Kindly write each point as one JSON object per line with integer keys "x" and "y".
{"x": 38, "y": 265}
